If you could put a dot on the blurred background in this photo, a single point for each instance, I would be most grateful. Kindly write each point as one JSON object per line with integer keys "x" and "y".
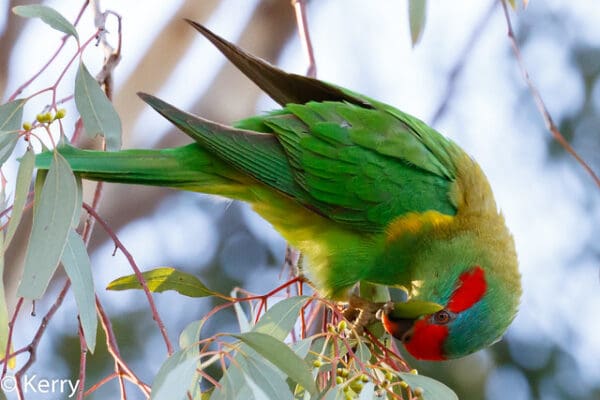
{"x": 475, "y": 96}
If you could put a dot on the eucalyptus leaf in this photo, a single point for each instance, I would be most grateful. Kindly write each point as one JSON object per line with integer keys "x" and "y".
{"x": 11, "y": 115}
{"x": 432, "y": 389}
{"x": 175, "y": 377}
{"x": 21, "y": 191}
{"x": 241, "y": 317}
{"x": 8, "y": 141}
{"x": 49, "y": 15}
{"x": 51, "y": 224}
{"x": 279, "y": 320}
{"x": 190, "y": 334}
{"x": 162, "y": 279}
{"x": 280, "y": 355}
{"x": 78, "y": 267}
{"x": 3, "y": 306}
{"x": 97, "y": 112}
{"x": 416, "y": 14}
{"x": 269, "y": 379}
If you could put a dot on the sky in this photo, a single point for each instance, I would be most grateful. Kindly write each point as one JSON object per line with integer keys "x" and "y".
{"x": 368, "y": 49}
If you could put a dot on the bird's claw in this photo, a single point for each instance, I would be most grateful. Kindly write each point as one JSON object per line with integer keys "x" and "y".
{"x": 362, "y": 313}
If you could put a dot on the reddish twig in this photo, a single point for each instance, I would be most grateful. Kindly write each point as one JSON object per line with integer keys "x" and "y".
{"x": 301, "y": 21}
{"x": 122, "y": 370}
{"x": 82, "y": 362}
{"x": 138, "y": 274}
{"x": 539, "y": 102}
{"x": 32, "y": 347}
{"x": 11, "y": 327}
{"x": 52, "y": 58}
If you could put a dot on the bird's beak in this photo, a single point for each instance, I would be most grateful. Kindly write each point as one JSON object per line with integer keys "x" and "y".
{"x": 398, "y": 318}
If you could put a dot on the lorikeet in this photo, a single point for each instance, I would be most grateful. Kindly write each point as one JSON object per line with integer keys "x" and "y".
{"x": 363, "y": 190}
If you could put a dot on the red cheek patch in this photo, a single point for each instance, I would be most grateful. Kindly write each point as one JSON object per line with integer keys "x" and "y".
{"x": 427, "y": 341}
{"x": 470, "y": 290}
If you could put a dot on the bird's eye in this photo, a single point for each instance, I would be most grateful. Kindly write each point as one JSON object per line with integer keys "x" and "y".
{"x": 442, "y": 317}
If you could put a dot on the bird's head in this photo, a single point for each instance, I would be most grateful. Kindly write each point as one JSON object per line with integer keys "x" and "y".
{"x": 460, "y": 309}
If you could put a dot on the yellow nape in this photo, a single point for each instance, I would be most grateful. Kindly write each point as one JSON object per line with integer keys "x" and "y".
{"x": 413, "y": 223}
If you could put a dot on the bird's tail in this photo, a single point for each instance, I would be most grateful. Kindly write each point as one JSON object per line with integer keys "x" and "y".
{"x": 188, "y": 167}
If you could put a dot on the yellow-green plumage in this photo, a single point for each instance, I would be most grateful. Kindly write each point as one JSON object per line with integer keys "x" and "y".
{"x": 364, "y": 191}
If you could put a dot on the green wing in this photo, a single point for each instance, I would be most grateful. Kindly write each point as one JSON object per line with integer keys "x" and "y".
{"x": 363, "y": 167}
{"x": 343, "y": 155}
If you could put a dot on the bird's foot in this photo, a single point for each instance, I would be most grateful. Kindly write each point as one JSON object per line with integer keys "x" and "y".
{"x": 362, "y": 313}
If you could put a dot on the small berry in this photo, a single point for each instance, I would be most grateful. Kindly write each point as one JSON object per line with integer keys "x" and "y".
{"x": 331, "y": 328}
{"x": 317, "y": 363}
{"x": 40, "y": 118}
{"x": 404, "y": 385}
{"x": 414, "y": 371}
{"x": 27, "y": 126}
{"x": 364, "y": 378}
{"x": 342, "y": 325}
{"x": 339, "y": 380}
{"x": 60, "y": 113}
{"x": 356, "y": 386}
{"x": 418, "y": 391}
{"x": 389, "y": 376}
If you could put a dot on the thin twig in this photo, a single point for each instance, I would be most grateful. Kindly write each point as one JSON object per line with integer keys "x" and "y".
{"x": 138, "y": 274}
{"x": 461, "y": 61}
{"x": 32, "y": 347}
{"x": 539, "y": 102}
{"x": 301, "y": 21}
{"x": 121, "y": 368}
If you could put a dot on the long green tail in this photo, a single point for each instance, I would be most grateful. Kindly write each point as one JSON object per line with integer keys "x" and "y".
{"x": 188, "y": 168}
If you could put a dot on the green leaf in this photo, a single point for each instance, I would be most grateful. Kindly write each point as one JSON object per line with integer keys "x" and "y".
{"x": 3, "y": 306}
{"x": 51, "y": 224}
{"x": 241, "y": 317}
{"x": 279, "y": 320}
{"x": 11, "y": 115}
{"x": 8, "y": 141}
{"x": 432, "y": 389}
{"x": 191, "y": 334}
{"x": 363, "y": 353}
{"x": 48, "y": 15}
{"x": 263, "y": 375}
{"x": 98, "y": 114}
{"x": 175, "y": 376}
{"x": 77, "y": 265}
{"x": 280, "y": 355}
{"x": 416, "y": 15}
{"x": 165, "y": 278}
{"x": 21, "y": 191}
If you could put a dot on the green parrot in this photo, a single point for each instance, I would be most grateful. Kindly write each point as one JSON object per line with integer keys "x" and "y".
{"x": 366, "y": 192}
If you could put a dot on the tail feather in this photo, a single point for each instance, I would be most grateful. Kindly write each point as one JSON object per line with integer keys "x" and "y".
{"x": 188, "y": 167}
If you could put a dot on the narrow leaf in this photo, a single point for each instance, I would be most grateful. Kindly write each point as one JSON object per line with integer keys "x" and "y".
{"x": 432, "y": 389}
{"x": 77, "y": 265}
{"x": 281, "y": 318}
{"x": 165, "y": 278}
{"x": 49, "y": 16}
{"x": 280, "y": 355}
{"x": 3, "y": 306}
{"x": 11, "y": 115}
{"x": 416, "y": 16}
{"x": 241, "y": 317}
{"x": 98, "y": 114}
{"x": 175, "y": 377}
{"x": 191, "y": 334}
{"x": 262, "y": 374}
{"x": 51, "y": 224}
{"x": 21, "y": 191}
{"x": 8, "y": 141}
